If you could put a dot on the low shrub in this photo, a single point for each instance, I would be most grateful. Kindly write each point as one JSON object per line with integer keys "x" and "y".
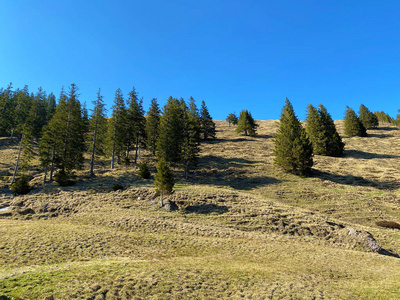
{"x": 117, "y": 187}
{"x": 388, "y": 224}
{"x": 21, "y": 186}
{"x": 63, "y": 179}
{"x": 144, "y": 171}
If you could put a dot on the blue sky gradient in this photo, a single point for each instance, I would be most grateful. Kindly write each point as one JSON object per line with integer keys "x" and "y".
{"x": 233, "y": 54}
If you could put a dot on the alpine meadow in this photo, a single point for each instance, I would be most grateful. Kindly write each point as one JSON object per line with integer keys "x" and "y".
{"x": 134, "y": 202}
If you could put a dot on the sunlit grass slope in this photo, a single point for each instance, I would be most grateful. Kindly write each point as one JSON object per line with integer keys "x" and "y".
{"x": 244, "y": 229}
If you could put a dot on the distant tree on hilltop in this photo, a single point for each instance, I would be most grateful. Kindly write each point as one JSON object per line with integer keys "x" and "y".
{"x": 246, "y": 124}
{"x": 352, "y": 125}
{"x": 367, "y": 118}
{"x": 232, "y": 119}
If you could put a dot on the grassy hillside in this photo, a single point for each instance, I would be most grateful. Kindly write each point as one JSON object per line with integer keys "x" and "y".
{"x": 244, "y": 229}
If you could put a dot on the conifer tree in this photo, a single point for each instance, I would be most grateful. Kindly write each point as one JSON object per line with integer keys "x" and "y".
{"x": 190, "y": 136}
{"x": 333, "y": 142}
{"x": 367, "y": 118}
{"x": 117, "y": 127}
{"x": 51, "y": 105}
{"x": 316, "y": 131}
{"x": 169, "y": 143}
{"x": 206, "y": 122}
{"x": 292, "y": 148}
{"x": 152, "y": 124}
{"x": 352, "y": 124}
{"x": 136, "y": 122}
{"x": 246, "y": 124}
{"x": 6, "y": 110}
{"x": 232, "y": 119}
{"x": 98, "y": 129}
{"x": 73, "y": 138}
{"x": 18, "y": 110}
{"x": 164, "y": 179}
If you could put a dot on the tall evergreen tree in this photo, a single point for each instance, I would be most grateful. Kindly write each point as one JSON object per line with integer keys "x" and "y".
{"x": 352, "y": 124}
{"x": 333, "y": 142}
{"x": 18, "y": 110}
{"x": 206, "y": 122}
{"x": 98, "y": 129}
{"x": 152, "y": 124}
{"x": 51, "y": 105}
{"x": 136, "y": 133}
{"x": 367, "y": 118}
{"x": 117, "y": 128}
{"x": 316, "y": 131}
{"x": 164, "y": 179}
{"x": 246, "y": 124}
{"x": 190, "y": 136}
{"x": 6, "y": 110}
{"x": 169, "y": 143}
{"x": 292, "y": 148}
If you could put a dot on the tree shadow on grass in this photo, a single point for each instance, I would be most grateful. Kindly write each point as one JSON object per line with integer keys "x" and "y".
{"x": 222, "y": 163}
{"x": 366, "y": 155}
{"x": 354, "y": 180}
{"x": 230, "y": 172}
{"x": 381, "y": 136}
{"x": 206, "y": 209}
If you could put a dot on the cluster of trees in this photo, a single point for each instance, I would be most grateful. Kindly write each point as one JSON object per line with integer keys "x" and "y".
{"x": 295, "y": 145}
{"x": 65, "y": 131}
{"x": 384, "y": 117}
{"x": 244, "y": 124}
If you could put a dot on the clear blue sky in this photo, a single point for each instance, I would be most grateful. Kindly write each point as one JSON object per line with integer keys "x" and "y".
{"x": 233, "y": 54}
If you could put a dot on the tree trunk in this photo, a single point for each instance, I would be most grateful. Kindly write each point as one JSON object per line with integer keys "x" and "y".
{"x": 12, "y": 135}
{"x": 52, "y": 161}
{"x": 93, "y": 150}
{"x": 17, "y": 162}
{"x": 45, "y": 175}
{"x": 161, "y": 200}
{"x": 113, "y": 152}
{"x": 137, "y": 146}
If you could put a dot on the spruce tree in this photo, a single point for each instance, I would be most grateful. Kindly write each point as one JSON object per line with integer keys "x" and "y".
{"x": 117, "y": 128}
{"x": 316, "y": 131}
{"x": 169, "y": 143}
{"x": 367, "y": 118}
{"x": 152, "y": 124}
{"x": 98, "y": 130}
{"x": 292, "y": 148}
{"x": 352, "y": 124}
{"x": 333, "y": 142}
{"x": 246, "y": 124}
{"x": 190, "y": 136}
{"x": 206, "y": 122}
{"x": 232, "y": 119}
{"x": 136, "y": 122}
{"x": 164, "y": 179}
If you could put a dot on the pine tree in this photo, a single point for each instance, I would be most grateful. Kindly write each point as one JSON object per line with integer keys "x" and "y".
{"x": 136, "y": 133}
{"x": 367, "y": 118}
{"x": 206, "y": 122}
{"x": 316, "y": 131}
{"x": 333, "y": 142}
{"x": 117, "y": 128}
{"x": 292, "y": 148}
{"x": 190, "y": 136}
{"x": 246, "y": 124}
{"x": 169, "y": 143}
{"x": 18, "y": 110}
{"x": 63, "y": 140}
{"x": 51, "y": 105}
{"x": 6, "y": 110}
{"x": 232, "y": 119}
{"x": 152, "y": 124}
{"x": 98, "y": 129}
{"x": 164, "y": 179}
{"x": 352, "y": 125}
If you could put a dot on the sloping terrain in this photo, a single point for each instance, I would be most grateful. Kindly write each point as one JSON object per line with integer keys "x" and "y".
{"x": 243, "y": 228}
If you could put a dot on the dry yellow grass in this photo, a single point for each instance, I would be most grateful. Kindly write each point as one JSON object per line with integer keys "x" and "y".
{"x": 245, "y": 229}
